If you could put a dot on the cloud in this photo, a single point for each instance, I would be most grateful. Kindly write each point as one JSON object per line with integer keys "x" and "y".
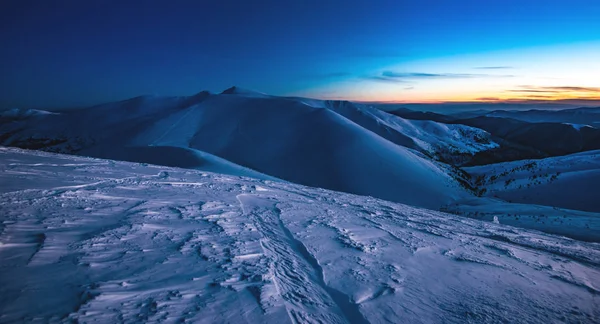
{"x": 556, "y": 89}
{"x": 532, "y": 91}
{"x": 382, "y": 78}
{"x": 422, "y": 75}
{"x": 539, "y": 96}
{"x": 408, "y": 77}
{"x": 487, "y": 99}
{"x": 415, "y": 75}
{"x": 576, "y": 89}
{"x": 493, "y": 67}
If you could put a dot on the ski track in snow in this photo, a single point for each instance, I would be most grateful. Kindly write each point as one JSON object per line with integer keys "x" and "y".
{"x": 125, "y": 242}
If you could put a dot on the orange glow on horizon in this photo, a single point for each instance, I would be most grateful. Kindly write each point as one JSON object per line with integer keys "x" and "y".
{"x": 499, "y": 97}
{"x": 566, "y": 72}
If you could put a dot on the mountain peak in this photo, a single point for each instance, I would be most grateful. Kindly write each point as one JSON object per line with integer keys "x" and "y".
{"x": 230, "y": 90}
{"x": 235, "y": 90}
{"x": 202, "y": 94}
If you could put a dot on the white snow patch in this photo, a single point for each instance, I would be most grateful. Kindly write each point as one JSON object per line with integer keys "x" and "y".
{"x": 221, "y": 253}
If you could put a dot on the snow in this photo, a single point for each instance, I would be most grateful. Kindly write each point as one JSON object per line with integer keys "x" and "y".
{"x": 244, "y": 92}
{"x": 569, "y": 181}
{"x": 322, "y": 144}
{"x": 177, "y": 156}
{"x": 85, "y": 240}
{"x": 428, "y": 136}
{"x": 578, "y": 126}
{"x": 576, "y": 224}
{"x": 584, "y": 115}
{"x": 336, "y": 145}
{"x": 24, "y": 113}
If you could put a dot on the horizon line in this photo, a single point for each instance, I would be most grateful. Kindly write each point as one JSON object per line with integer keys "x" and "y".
{"x": 584, "y": 102}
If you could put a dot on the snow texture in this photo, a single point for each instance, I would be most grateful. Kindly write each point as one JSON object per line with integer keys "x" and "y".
{"x": 92, "y": 240}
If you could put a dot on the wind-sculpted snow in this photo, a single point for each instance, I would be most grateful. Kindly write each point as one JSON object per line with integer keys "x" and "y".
{"x": 89, "y": 240}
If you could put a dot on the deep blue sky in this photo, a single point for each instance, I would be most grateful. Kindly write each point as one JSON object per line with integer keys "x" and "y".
{"x": 72, "y": 53}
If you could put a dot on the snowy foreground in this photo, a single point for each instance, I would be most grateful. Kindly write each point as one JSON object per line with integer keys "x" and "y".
{"x": 98, "y": 240}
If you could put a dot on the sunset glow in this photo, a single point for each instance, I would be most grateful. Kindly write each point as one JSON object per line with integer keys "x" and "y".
{"x": 560, "y": 72}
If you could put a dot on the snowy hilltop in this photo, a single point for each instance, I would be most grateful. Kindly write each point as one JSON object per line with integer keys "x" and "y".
{"x": 100, "y": 240}
{"x": 335, "y": 145}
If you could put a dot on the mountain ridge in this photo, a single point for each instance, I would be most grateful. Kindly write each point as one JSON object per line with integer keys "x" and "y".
{"x": 314, "y": 144}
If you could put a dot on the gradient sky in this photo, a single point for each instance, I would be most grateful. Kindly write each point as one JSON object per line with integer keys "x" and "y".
{"x": 74, "y": 53}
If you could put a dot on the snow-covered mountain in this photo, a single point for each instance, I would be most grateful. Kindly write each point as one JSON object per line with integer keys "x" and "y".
{"x": 549, "y": 138}
{"x": 329, "y": 144}
{"x": 337, "y": 145}
{"x": 569, "y": 181}
{"x": 520, "y": 135}
{"x": 433, "y": 138}
{"x": 105, "y": 241}
{"x": 583, "y": 116}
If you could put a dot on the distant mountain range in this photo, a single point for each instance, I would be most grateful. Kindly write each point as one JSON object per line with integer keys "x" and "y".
{"x": 525, "y": 134}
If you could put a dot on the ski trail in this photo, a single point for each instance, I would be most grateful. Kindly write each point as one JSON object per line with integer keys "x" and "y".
{"x": 297, "y": 274}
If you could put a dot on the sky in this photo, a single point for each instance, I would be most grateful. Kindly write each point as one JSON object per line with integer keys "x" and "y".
{"x": 71, "y": 53}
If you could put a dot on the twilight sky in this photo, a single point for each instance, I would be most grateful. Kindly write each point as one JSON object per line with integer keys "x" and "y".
{"x": 74, "y": 53}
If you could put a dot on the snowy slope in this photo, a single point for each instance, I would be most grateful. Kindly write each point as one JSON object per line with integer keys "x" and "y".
{"x": 312, "y": 146}
{"x": 176, "y": 157}
{"x": 569, "y": 181}
{"x": 438, "y": 139}
{"x": 312, "y": 143}
{"x": 576, "y": 224}
{"x": 552, "y": 139}
{"x": 94, "y": 240}
{"x": 17, "y": 113}
{"x": 584, "y": 116}
{"x": 578, "y": 126}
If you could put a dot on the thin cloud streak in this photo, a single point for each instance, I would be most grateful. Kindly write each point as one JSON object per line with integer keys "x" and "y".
{"x": 553, "y": 93}
{"x": 488, "y": 99}
{"x": 577, "y": 89}
{"x": 494, "y": 67}
{"x": 532, "y": 91}
{"x": 422, "y": 75}
{"x": 381, "y": 78}
{"x": 556, "y": 89}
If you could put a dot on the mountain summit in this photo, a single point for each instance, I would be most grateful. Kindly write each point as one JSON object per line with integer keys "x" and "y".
{"x": 235, "y": 90}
